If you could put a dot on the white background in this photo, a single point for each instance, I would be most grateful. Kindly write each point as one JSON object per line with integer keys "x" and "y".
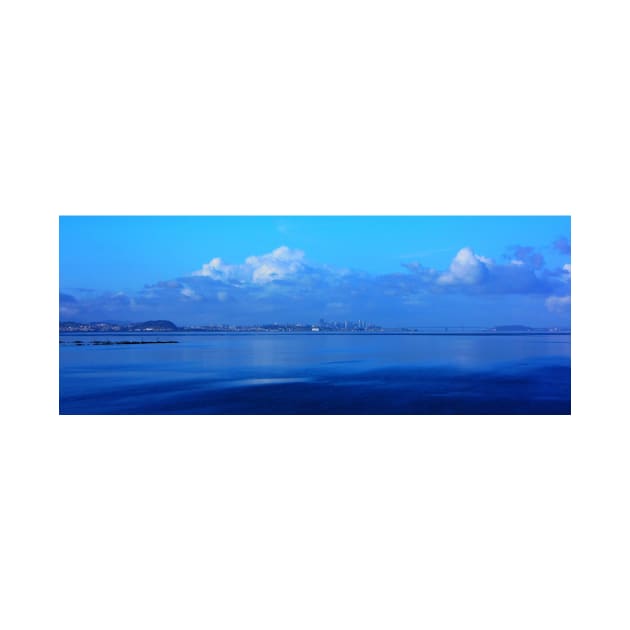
{"x": 299, "y": 108}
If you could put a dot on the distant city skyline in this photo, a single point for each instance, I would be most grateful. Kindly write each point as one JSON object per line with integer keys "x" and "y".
{"x": 393, "y": 271}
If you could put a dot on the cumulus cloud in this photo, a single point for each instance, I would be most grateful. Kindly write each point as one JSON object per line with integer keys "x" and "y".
{"x": 473, "y": 273}
{"x": 216, "y": 269}
{"x": 280, "y": 263}
{"x": 466, "y": 268}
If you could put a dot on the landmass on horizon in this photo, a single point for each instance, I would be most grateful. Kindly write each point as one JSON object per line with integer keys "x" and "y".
{"x": 321, "y": 326}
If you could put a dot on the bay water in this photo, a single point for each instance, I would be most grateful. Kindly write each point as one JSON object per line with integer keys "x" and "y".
{"x": 314, "y": 373}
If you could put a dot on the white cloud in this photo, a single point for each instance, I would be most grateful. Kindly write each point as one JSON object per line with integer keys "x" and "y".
{"x": 558, "y": 304}
{"x": 278, "y": 264}
{"x": 214, "y": 269}
{"x": 466, "y": 268}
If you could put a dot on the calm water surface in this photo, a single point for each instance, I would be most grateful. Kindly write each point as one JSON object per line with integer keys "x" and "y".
{"x": 315, "y": 373}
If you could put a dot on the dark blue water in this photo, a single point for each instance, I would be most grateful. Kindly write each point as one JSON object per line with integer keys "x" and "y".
{"x": 315, "y": 373}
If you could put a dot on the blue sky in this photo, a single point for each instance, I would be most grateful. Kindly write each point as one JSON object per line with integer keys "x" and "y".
{"x": 442, "y": 270}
